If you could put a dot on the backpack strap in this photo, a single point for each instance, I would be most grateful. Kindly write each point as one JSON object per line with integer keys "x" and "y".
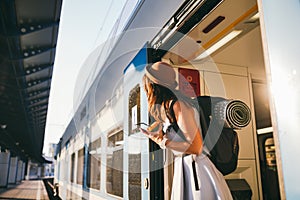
{"x": 171, "y": 115}
{"x": 170, "y": 112}
{"x": 203, "y": 121}
{"x": 172, "y": 118}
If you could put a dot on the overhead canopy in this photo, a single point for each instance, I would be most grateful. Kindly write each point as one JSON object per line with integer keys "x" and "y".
{"x": 28, "y": 37}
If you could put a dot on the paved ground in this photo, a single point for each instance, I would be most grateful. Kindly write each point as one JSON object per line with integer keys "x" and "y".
{"x": 32, "y": 189}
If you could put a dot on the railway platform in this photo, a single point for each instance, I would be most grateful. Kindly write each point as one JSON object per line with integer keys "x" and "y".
{"x": 27, "y": 189}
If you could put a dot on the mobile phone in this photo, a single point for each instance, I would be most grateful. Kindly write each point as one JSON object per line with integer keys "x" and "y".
{"x": 144, "y": 131}
{"x": 142, "y": 123}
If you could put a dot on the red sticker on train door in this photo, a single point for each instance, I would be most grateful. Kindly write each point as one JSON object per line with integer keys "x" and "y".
{"x": 189, "y": 82}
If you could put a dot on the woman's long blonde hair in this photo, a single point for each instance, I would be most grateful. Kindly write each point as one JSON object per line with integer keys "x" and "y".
{"x": 158, "y": 96}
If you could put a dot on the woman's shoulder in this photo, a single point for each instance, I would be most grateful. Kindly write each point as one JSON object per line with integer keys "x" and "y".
{"x": 181, "y": 106}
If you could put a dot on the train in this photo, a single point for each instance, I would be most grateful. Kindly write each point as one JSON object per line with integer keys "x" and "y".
{"x": 218, "y": 46}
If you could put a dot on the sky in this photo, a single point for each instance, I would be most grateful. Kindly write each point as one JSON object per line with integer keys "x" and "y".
{"x": 84, "y": 25}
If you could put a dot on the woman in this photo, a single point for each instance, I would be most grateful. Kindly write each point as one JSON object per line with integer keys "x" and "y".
{"x": 195, "y": 176}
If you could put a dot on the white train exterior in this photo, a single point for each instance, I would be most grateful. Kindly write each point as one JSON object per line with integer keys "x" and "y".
{"x": 103, "y": 156}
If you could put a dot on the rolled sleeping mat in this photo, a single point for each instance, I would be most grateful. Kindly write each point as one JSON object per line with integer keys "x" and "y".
{"x": 233, "y": 113}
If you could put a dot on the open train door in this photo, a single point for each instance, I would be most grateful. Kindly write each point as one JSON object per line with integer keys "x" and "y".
{"x": 280, "y": 39}
{"x": 139, "y": 155}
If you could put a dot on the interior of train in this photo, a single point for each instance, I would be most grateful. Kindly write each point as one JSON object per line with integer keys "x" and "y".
{"x": 231, "y": 36}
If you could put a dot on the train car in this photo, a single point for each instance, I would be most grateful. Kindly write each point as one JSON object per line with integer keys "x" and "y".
{"x": 218, "y": 46}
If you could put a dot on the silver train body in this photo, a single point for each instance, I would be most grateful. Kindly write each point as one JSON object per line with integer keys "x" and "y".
{"x": 102, "y": 154}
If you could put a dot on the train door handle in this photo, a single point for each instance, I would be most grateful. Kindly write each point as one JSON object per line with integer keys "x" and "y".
{"x": 146, "y": 183}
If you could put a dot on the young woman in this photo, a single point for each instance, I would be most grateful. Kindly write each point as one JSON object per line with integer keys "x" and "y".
{"x": 195, "y": 176}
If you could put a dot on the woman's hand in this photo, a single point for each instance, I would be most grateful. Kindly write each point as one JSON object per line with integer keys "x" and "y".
{"x": 155, "y": 136}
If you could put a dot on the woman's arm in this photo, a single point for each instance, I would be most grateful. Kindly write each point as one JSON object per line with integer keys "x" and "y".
{"x": 157, "y": 137}
{"x": 187, "y": 123}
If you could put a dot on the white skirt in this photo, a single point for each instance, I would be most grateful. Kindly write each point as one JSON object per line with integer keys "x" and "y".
{"x": 200, "y": 180}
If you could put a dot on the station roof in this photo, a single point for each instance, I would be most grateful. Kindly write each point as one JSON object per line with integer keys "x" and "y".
{"x": 28, "y": 38}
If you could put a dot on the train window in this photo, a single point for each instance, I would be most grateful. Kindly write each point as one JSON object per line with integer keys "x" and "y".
{"x": 134, "y": 109}
{"x": 72, "y": 167}
{"x": 134, "y": 179}
{"x": 114, "y": 164}
{"x": 94, "y": 167}
{"x": 134, "y": 152}
{"x": 80, "y": 163}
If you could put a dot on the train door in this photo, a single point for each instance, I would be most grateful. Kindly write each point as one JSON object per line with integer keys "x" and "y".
{"x": 136, "y": 147}
{"x": 266, "y": 147}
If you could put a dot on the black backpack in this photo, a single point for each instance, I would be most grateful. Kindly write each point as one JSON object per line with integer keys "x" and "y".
{"x": 221, "y": 142}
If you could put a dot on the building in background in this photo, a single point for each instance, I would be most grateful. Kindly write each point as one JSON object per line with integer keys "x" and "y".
{"x": 49, "y": 168}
